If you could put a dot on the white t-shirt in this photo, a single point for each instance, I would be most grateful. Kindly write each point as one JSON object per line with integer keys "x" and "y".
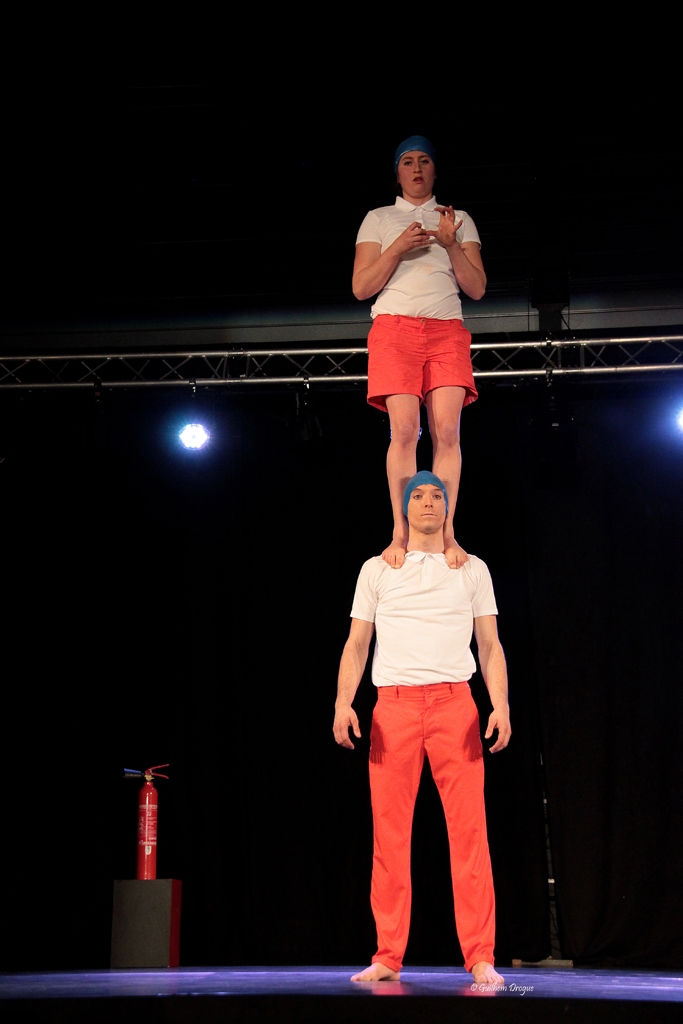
{"x": 423, "y": 284}
{"x": 424, "y": 615}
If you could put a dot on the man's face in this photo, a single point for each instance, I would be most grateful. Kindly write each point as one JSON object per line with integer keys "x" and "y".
{"x": 416, "y": 174}
{"x": 427, "y": 509}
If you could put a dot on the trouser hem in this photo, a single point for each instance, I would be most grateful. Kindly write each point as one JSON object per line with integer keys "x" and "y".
{"x": 387, "y": 961}
{"x": 485, "y": 956}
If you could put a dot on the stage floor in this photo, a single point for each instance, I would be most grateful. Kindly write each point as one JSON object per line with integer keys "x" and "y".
{"x": 548, "y": 983}
{"x": 294, "y": 993}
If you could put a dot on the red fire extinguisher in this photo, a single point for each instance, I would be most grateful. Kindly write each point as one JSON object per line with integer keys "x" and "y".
{"x": 148, "y": 815}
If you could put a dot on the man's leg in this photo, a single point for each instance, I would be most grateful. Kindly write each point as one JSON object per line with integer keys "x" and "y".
{"x": 444, "y": 405}
{"x": 396, "y": 757}
{"x": 453, "y": 746}
{"x": 404, "y": 416}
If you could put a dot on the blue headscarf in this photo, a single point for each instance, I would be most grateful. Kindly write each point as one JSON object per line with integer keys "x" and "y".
{"x": 421, "y": 478}
{"x": 414, "y": 142}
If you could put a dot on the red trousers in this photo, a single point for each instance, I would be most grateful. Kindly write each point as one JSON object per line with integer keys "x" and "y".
{"x": 440, "y": 720}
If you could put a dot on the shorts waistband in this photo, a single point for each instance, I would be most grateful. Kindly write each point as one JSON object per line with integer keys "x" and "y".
{"x": 417, "y": 321}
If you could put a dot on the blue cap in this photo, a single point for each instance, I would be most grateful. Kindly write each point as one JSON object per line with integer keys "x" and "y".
{"x": 415, "y": 142}
{"x": 421, "y": 478}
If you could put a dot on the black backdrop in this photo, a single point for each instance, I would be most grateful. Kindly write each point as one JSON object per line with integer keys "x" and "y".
{"x": 191, "y": 608}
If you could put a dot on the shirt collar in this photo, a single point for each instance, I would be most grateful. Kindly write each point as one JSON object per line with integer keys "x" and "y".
{"x": 404, "y": 205}
{"x": 419, "y": 556}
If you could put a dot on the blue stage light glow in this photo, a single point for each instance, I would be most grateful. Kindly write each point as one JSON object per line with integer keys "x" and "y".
{"x": 679, "y": 419}
{"x": 194, "y": 436}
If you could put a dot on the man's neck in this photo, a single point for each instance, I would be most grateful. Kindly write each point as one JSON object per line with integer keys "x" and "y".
{"x": 431, "y": 543}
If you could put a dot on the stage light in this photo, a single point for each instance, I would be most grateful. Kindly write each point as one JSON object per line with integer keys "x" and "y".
{"x": 679, "y": 419}
{"x": 194, "y": 436}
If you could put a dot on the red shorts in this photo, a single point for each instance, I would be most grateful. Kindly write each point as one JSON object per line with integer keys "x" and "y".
{"x": 409, "y": 355}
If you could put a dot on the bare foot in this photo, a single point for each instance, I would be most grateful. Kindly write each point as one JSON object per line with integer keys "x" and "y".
{"x": 485, "y": 974}
{"x": 395, "y": 554}
{"x": 377, "y": 972}
{"x": 455, "y": 555}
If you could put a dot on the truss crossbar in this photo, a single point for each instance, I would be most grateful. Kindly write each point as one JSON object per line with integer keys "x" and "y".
{"x": 338, "y": 366}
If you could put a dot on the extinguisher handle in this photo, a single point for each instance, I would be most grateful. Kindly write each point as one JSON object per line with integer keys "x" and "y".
{"x": 133, "y": 773}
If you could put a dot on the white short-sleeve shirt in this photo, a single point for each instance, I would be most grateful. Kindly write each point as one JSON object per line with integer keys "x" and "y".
{"x": 423, "y": 284}
{"x": 424, "y": 616}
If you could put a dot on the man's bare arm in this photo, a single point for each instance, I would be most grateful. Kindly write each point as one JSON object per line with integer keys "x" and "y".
{"x": 494, "y": 671}
{"x": 353, "y": 660}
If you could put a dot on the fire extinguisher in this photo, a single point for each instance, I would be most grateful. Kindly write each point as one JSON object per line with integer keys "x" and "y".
{"x": 148, "y": 816}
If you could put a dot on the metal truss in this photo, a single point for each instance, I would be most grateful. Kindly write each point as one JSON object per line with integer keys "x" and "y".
{"x": 509, "y": 360}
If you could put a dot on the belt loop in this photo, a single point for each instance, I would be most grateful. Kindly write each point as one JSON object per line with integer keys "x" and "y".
{"x": 397, "y": 691}
{"x": 450, "y": 687}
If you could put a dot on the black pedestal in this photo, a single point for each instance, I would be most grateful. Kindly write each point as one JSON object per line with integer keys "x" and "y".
{"x": 145, "y": 928}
